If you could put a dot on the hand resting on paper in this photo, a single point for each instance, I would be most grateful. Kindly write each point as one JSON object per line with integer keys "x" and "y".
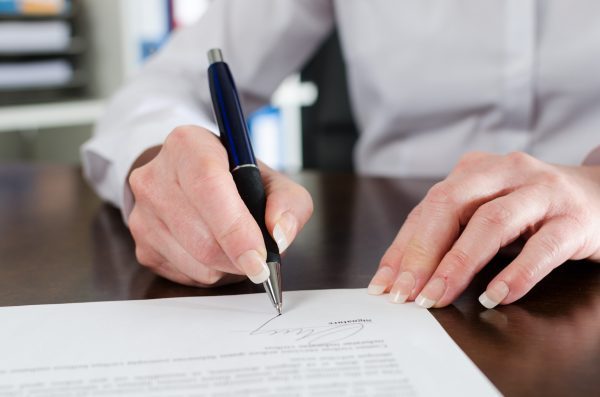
{"x": 485, "y": 203}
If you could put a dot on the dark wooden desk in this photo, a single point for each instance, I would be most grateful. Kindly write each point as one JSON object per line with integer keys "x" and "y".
{"x": 59, "y": 243}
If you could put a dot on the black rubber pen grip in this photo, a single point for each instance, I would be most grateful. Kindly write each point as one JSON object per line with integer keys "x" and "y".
{"x": 251, "y": 189}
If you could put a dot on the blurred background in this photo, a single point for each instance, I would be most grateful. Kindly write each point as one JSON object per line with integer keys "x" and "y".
{"x": 60, "y": 60}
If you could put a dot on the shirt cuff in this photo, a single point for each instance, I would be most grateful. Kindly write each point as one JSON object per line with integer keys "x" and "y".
{"x": 108, "y": 158}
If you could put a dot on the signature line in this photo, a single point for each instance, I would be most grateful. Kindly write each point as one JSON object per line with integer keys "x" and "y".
{"x": 318, "y": 334}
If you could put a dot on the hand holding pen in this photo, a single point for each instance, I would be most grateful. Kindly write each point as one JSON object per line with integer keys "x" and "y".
{"x": 189, "y": 222}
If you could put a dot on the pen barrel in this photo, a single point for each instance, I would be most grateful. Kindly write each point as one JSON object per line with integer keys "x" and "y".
{"x": 252, "y": 191}
{"x": 228, "y": 112}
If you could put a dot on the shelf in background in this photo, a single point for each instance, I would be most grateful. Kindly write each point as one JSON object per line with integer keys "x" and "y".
{"x": 76, "y": 47}
{"x": 50, "y": 115}
{"x": 34, "y": 17}
{"x": 77, "y": 81}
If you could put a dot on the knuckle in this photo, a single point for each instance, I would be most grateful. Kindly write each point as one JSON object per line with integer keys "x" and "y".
{"x": 136, "y": 226}
{"x": 138, "y": 181}
{"x": 575, "y": 231}
{"x": 553, "y": 179}
{"x": 469, "y": 159}
{"x": 547, "y": 249}
{"x": 442, "y": 194}
{"x": 551, "y": 245}
{"x": 209, "y": 277}
{"x": 520, "y": 160}
{"x": 207, "y": 251}
{"x": 191, "y": 136}
{"x": 286, "y": 196}
{"x": 525, "y": 275}
{"x": 211, "y": 166}
{"x": 180, "y": 135}
{"x": 232, "y": 234}
{"x": 306, "y": 198}
{"x": 494, "y": 213}
{"x": 209, "y": 183}
{"x": 135, "y": 178}
{"x": 213, "y": 148}
{"x": 136, "y": 231}
{"x": 142, "y": 184}
{"x": 145, "y": 257}
{"x": 416, "y": 251}
{"x": 458, "y": 262}
{"x": 413, "y": 216}
{"x": 391, "y": 258}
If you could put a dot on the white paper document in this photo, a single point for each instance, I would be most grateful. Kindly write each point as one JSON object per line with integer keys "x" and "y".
{"x": 327, "y": 343}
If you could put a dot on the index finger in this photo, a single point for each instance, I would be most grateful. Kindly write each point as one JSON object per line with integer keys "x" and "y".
{"x": 438, "y": 227}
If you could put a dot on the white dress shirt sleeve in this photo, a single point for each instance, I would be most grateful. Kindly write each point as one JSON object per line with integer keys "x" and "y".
{"x": 263, "y": 41}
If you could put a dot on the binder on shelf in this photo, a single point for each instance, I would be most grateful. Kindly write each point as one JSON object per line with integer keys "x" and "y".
{"x": 38, "y": 74}
{"x": 41, "y": 51}
{"x": 44, "y": 7}
{"x": 9, "y": 7}
{"x": 34, "y": 7}
{"x": 39, "y": 36}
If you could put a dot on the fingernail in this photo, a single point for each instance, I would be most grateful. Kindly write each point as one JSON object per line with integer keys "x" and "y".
{"x": 255, "y": 267}
{"x": 494, "y": 295}
{"x": 284, "y": 231}
{"x": 405, "y": 282}
{"x": 280, "y": 238}
{"x": 382, "y": 278}
{"x": 433, "y": 292}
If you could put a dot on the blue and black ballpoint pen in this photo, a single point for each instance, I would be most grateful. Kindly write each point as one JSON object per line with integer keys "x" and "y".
{"x": 242, "y": 164}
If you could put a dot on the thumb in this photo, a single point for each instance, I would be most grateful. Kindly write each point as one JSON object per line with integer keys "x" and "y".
{"x": 289, "y": 207}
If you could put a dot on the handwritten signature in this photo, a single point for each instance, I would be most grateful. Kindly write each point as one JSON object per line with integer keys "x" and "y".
{"x": 313, "y": 335}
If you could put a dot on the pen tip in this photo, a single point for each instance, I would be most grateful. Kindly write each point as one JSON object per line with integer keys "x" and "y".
{"x": 278, "y": 307}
